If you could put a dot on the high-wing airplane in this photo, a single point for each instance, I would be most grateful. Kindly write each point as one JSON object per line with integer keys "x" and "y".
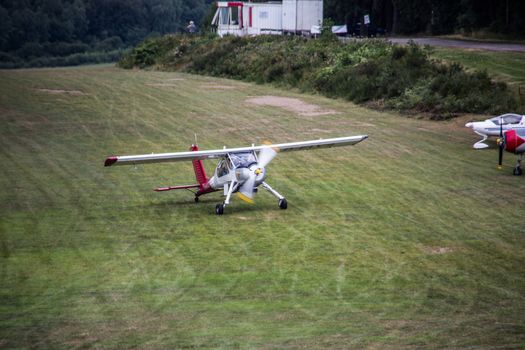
{"x": 491, "y": 127}
{"x": 240, "y": 170}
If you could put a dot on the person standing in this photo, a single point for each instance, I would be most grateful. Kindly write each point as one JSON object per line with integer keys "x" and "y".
{"x": 191, "y": 28}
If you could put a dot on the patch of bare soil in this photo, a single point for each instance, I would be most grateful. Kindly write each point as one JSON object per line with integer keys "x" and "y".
{"x": 438, "y": 250}
{"x": 60, "y": 92}
{"x": 291, "y": 104}
{"x": 163, "y": 85}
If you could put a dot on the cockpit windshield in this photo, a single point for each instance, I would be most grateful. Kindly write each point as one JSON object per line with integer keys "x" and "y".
{"x": 505, "y": 119}
{"x": 242, "y": 160}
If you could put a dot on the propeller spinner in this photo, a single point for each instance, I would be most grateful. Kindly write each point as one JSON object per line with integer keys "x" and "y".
{"x": 256, "y": 174}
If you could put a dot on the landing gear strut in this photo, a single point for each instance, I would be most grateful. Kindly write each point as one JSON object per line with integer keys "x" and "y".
{"x": 481, "y": 143}
{"x": 517, "y": 170}
{"x": 219, "y": 208}
{"x": 283, "y": 204}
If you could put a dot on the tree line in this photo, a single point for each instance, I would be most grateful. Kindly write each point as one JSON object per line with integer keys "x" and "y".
{"x": 62, "y": 32}
{"x": 31, "y": 30}
{"x": 433, "y": 16}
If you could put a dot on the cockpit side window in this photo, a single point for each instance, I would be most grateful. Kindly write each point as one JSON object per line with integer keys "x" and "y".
{"x": 507, "y": 119}
{"x": 511, "y": 119}
{"x": 222, "y": 168}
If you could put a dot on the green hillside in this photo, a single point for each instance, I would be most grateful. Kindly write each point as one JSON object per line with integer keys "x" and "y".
{"x": 372, "y": 72}
{"x": 410, "y": 239}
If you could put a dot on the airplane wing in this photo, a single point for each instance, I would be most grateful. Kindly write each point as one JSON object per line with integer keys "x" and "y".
{"x": 192, "y": 155}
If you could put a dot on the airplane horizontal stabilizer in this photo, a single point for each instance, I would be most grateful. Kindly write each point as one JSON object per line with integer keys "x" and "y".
{"x": 170, "y": 188}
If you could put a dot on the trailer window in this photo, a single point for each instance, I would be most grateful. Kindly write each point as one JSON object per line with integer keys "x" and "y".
{"x": 224, "y": 16}
{"x": 234, "y": 15}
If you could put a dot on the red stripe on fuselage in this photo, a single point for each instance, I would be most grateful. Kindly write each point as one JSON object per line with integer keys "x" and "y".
{"x": 200, "y": 173}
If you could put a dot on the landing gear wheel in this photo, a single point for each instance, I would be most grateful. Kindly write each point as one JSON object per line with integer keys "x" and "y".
{"x": 196, "y": 199}
{"x": 219, "y": 209}
{"x": 283, "y": 204}
{"x": 517, "y": 171}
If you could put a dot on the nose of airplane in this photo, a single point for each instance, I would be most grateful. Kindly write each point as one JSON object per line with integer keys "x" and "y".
{"x": 469, "y": 125}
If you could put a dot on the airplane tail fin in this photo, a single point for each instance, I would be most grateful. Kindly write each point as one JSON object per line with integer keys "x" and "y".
{"x": 198, "y": 167}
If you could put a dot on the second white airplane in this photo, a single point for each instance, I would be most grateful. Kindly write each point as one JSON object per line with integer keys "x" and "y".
{"x": 492, "y": 126}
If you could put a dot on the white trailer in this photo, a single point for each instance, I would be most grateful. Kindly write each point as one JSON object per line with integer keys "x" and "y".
{"x": 242, "y": 18}
{"x": 300, "y": 16}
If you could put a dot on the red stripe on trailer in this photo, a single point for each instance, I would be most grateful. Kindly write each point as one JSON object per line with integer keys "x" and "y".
{"x": 250, "y": 16}
{"x": 235, "y": 4}
{"x": 241, "y": 22}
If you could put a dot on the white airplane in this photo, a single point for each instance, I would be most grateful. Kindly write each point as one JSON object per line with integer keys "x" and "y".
{"x": 240, "y": 170}
{"x": 491, "y": 127}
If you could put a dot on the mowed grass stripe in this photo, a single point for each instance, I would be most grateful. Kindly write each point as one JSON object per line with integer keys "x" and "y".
{"x": 409, "y": 239}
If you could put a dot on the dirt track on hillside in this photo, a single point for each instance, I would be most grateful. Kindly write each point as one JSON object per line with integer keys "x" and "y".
{"x": 462, "y": 44}
{"x": 291, "y": 104}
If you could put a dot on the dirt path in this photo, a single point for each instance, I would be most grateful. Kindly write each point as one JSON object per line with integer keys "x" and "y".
{"x": 291, "y": 104}
{"x": 463, "y": 44}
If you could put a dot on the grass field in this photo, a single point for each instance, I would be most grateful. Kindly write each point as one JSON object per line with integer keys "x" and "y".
{"x": 508, "y": 66}
{"x": 410, "y": 239}
{"x": 505, "y": 66}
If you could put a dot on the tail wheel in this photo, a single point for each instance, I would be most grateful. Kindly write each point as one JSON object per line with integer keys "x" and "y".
{"x": 196, "y": 199}
{"x": 517, "y": 171}
{"x": 283, "y": 204}
{"x": 219, "y": 209}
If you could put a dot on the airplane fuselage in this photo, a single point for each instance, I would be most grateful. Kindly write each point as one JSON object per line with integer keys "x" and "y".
{"x": 240, "y": 170}
{"x": 494, "y": 126}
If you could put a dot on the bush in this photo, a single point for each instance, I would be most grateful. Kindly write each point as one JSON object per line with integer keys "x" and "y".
{"x": 401, "y": 77}
{"x": 6, "y": 57}
{"x": 109, "y": 44}
{"x": 30, "y": 50}
{"x": 65, "y": 49}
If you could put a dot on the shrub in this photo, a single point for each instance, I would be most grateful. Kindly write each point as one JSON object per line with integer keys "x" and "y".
{"x": 65, "y": 49}
{"x": 401, "y": 77}
{"x": 30, "y": 50}
{"x": 6, "y": 57}
{"x": 109, "y": 44}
